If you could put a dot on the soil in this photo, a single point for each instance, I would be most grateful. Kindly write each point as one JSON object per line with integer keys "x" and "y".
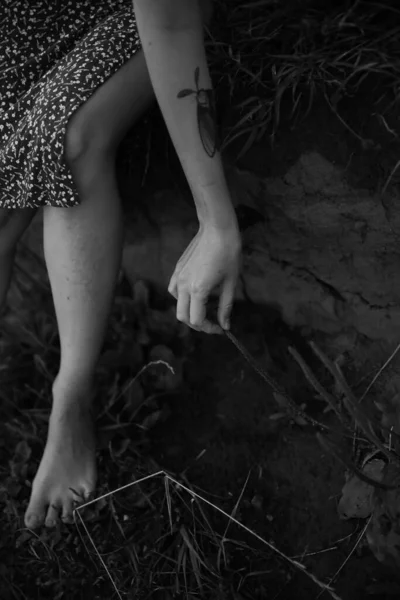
{"x": 223, "y": 425}
{"x": 227, "y": 411}
{"x": 294, "y": 486}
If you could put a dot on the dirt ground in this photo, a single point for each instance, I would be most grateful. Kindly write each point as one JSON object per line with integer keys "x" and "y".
{"x": 223, "y": 424}
{"x": 228, "y": 410}
{"x": 294, "y": 487}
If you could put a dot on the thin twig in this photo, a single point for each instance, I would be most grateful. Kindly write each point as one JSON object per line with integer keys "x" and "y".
{"x": 273, "y": 384}
{"x": 97, "y": 552}
{"x": 391, "y": 357}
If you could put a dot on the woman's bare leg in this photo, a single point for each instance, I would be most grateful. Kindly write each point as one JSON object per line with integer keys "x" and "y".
{"x": 13, "y": 223}
{"x": 83, "y": 252}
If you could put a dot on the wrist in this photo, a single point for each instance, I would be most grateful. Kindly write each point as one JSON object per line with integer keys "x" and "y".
{"x": 214, "y": 207}
{"x": 222, "y": 218}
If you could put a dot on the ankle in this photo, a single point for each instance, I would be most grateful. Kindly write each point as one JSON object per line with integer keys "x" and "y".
{"x": 70, "y": 391}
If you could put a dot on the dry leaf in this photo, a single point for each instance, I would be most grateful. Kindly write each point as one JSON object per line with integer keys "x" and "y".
{"x": 357, "y": 496}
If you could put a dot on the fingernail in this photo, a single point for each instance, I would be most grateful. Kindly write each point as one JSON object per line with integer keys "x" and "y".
{"x": 227, "y": 324}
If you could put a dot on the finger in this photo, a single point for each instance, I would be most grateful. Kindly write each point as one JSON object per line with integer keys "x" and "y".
{"x": 172, "y": 287}
{"x": 173, "y": 284}
{"x": 198, "y": 309}
{"x": 211, "y": 328}
{"x": 198, "y": 314}
{"x": 226, "y": 300}
{"x": 183, "y": 307}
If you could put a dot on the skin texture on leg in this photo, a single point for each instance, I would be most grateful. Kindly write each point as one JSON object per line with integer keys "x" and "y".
{"x": 83, "y": 247}
{"x": 13, "y": 223}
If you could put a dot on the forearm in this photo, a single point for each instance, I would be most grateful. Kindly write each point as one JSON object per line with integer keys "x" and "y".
{"x": 174, "y": 52}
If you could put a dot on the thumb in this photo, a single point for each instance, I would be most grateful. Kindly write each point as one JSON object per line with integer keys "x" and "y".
{"x": 226, "y": 300}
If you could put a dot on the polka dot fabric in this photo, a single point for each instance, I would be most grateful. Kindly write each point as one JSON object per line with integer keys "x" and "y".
{"x": 54, "y": 54}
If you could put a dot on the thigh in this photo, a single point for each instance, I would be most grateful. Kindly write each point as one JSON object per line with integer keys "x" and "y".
{"x": 104, "y": 119}
{"x": 88, "y": 95}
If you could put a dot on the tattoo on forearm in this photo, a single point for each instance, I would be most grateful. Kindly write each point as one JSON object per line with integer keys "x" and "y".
{"x": 206, "y": 115}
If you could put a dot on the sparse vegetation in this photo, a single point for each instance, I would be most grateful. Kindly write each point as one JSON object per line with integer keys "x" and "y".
{"x": 160, "y": 538}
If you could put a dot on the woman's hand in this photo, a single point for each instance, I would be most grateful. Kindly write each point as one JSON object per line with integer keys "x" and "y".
{"x": 211, "y": 261}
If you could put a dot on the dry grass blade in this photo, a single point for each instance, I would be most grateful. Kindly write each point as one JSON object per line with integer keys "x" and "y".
{"x": 194, "y": 555}
{"x": 332, "y": 579}
{"x": 327, "y": 50}
{"x": 379, "y": 373}
{"x": 262, "y": 540}
{"x": 168, "y": 497}
{"x": 274, "y": 385}
{"x": 389, "y": 179}
{"x": 195, "y": 558}
{"x": 221, "y": 549}
{"x": 365, "y": 143}
{"x": 329, "y": 399}
{"x": 76, "y": 512}
{"x": 351, "y": 404}
{"x": 118, "y": 395}
{"x": 235, "y": 508}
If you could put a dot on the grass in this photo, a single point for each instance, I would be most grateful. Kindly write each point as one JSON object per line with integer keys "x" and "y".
{"x": 145, "y": 536}
{"x": 152, "y": 538}
{"x": 270, "y": 59}
{"x": 266, "y": 52}
{"x": 174, "y": 544}
{"x": 159, "y": 536}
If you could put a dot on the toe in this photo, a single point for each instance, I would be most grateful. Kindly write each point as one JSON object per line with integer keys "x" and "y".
{"x": 87, "y": 492}
{"x": 34, "y": 520}
{"x": 52, "y": 516}
{"x": 67, "y": 511}
{"x": 35, "y": 513}
{"x": 88, "y": 496}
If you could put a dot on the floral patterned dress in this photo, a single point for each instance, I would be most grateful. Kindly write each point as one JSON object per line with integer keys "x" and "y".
{"x": 54, "y": 54}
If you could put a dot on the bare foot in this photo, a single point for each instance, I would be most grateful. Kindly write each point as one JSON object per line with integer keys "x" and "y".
{"x": 67, "y": 472}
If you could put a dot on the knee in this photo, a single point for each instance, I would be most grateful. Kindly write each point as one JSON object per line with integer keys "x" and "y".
{"x": 86, "y": 141}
